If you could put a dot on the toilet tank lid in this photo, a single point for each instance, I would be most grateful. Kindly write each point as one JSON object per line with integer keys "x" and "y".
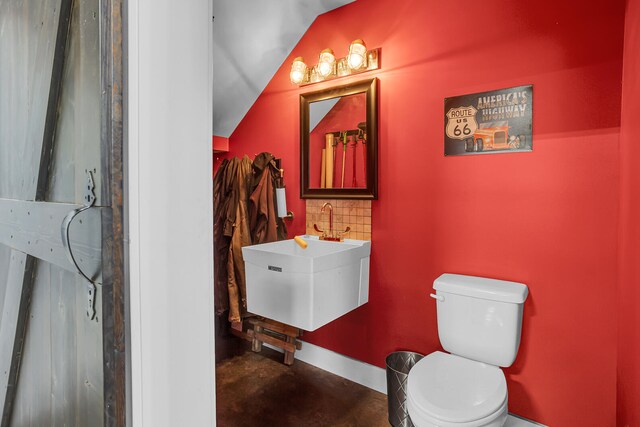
{"x": 481, "y": 287}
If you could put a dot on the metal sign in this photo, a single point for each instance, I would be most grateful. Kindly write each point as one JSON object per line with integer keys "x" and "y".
{"x": 498, "y": 121}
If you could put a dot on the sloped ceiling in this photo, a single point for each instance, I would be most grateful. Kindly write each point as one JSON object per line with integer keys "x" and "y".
{"x": 251, "y": 39}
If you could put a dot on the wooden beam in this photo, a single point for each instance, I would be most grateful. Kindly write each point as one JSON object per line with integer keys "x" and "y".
{"x": 35, "y": 229}
{"x": 22, "y": 284}
{"x": 53, "y": 101}
{"x": 15, "y": 315}
{"x": 274, "y": 326}
{"x": 276, "y": 342}
{"x": 115, "y": 352}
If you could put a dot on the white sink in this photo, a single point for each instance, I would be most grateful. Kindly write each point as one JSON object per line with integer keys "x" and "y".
{"x": 307, "y": 288}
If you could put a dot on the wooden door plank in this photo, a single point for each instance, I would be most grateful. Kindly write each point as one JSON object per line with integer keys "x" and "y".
{"x": 63, "y": 347}
{"x": 90, "y": 398}
{"x": 5, "y": 258}
{"x": 112, "y": 192}
{"x": 15, "y": 313}
{"x": 77, "y": 142}
{"x": 11, "y": 352}
{"x": 34, "y": 228}
{"x": 32, "y": 404}
{"x": 78, "y": 147}
{"x": 26, "y": 55}
{"x": 53, "y": 101}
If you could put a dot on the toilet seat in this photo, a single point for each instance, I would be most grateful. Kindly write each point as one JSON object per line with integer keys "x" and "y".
{"x": 449, "y": 390}
{"x": 421, "y": 419}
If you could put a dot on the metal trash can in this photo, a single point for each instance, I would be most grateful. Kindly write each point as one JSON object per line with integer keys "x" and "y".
{"x": 399, "y": 364}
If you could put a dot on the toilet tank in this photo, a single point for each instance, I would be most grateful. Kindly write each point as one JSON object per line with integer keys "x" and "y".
{"x": 480, "y": 318}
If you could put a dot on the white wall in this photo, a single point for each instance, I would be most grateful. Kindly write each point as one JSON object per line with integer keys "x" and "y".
{"x": 170, "y": 212}
{"x": 251, "y": 39}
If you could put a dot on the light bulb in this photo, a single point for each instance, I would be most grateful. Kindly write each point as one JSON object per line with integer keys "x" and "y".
{"x": 298, "y": 71}
{"x": 357, "y": 54}
{"x": 326, "y": 62}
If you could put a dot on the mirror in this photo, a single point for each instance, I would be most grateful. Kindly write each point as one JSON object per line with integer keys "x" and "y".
{"x": 339, "y": 142}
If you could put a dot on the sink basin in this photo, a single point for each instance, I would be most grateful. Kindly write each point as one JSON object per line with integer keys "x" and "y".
{"x": 307, "y": 288}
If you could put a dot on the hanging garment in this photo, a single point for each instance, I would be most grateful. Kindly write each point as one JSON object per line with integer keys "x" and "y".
{"x": 240, "y": 236}
{"x": 221, "y": 193}
{"x": 245, "y": 213}
{"x": 264, "y": 222}
{"x": 231, "y": 228}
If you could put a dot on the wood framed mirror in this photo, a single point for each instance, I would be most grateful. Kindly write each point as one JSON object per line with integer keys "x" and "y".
{"x": 339, "y": 142}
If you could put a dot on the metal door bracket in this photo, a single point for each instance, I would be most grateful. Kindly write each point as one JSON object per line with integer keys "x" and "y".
{"x": 91, "y": 301}
{"x": 89, "y": 199}
{"x": 89, "y": 194}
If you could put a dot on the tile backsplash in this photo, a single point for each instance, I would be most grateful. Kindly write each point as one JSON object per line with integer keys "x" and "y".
{"x": 346, "y": 213}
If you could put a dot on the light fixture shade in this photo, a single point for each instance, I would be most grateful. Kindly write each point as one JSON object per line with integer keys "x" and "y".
{"x": 357, "y": 54}
{"x": 326, "y": 62}
{"x": 298, "y": 70}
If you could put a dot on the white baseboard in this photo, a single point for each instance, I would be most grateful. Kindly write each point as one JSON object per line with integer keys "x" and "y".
{"x": 354, "y": 370}
{"x": 364, "y": 374}
{"x": 517, "y": 421}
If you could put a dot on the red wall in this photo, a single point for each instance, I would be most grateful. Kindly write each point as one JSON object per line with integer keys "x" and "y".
{"x": 547, "y": 218}
{"x": 629, "y": 294}
{"x": 220, "y": 143}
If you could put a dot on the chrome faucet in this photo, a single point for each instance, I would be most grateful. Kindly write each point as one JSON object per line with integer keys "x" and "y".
{"x": 332, "y": 236}
{"x": 327, "y": 204}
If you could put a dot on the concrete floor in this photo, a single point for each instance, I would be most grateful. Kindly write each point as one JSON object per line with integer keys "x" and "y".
{"x": 258, "y": 390}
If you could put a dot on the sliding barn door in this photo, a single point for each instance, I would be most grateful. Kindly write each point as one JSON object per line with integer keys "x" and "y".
{"x": 56, "y": 214}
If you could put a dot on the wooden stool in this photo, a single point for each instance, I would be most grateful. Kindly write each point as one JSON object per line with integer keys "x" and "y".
{"x": 261, "y": 330}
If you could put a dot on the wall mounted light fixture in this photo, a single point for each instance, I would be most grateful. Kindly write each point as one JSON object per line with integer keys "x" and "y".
{"x": 358, "y": 60}
{"x": 326, "y": 63}
{"x": 298, "y": 70}
{"x": 357, "y": 54}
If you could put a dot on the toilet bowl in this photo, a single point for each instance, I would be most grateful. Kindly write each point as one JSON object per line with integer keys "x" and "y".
{"x": 444, "y": 390}
{"x": 479, "y": 325}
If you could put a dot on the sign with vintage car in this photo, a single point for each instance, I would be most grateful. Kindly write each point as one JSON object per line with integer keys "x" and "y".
{"x": 498, "y": 121}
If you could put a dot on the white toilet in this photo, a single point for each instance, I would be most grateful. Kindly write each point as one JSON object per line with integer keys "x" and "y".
{"x": 479, "y": 324}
